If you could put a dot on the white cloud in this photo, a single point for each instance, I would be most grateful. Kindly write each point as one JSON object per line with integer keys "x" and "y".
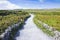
{"x": 8, "y": 5}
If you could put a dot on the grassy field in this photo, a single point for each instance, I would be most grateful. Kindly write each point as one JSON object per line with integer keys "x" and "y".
{"x": 50, "y": 33}
{"x": 10, "y": 17}
{"x": 50, "y": 18}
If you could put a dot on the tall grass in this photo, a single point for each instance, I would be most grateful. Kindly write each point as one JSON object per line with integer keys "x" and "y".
{"x": 50, "y": 18}
{"x": 8, "y": 18}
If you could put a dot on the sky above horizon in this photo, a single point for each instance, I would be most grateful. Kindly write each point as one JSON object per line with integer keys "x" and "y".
{"x": 29, "y": 4}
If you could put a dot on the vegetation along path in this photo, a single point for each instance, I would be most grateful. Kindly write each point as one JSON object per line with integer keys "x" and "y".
{"x": 32, "y": 32}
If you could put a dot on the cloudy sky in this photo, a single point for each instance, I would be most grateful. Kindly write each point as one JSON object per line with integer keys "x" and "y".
{"x": 29, "y": 4}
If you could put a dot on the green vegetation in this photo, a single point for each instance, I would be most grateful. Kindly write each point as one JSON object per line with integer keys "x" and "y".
{"x": 52, "y": 18}
{"x": 43, "y": 28}
{"x": 10, "y": 17}
{"x": 51, "y": 21}
{"x": 40, "y": 10}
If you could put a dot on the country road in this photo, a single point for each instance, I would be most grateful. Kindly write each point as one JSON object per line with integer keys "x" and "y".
{"x": 32, "y": 32}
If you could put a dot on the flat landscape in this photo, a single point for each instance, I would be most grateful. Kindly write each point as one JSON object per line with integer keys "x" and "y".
{"x": 29, "y": 19}
{"x": 44, "y": 22}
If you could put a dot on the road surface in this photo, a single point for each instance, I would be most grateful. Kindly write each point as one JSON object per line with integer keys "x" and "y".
{"x": 32, "y": 32}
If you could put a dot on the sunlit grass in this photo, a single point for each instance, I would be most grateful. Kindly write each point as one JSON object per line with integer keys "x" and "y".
{"x": 9, "y": 19}
{"x": 51, "y": 20}
{"x": 50, "y": 33}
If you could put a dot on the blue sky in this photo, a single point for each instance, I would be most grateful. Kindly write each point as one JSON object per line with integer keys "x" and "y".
{"x": 37, "y": 3}
{"x": 29, "y": 4}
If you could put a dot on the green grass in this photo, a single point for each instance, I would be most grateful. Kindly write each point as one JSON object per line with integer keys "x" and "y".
{"x": 12, "y": 17}
{"x": 50, "y": 33}
{"x": 51, "y": 20}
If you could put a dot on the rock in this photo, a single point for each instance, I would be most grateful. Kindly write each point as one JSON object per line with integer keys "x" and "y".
{"x": 57, "y": 35}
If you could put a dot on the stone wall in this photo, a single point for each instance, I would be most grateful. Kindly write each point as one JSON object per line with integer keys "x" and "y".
{"x": 5, "y": 35}
{"x": 8, "y": 34}
{"x": 56, "y": 33}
